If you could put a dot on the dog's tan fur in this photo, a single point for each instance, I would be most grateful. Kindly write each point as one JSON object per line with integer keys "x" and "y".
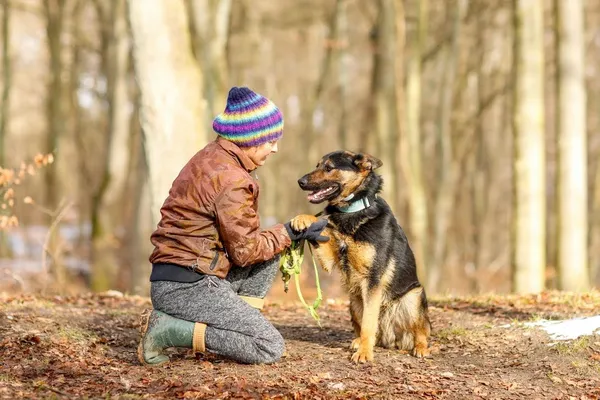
{"x": 376, "y": 319}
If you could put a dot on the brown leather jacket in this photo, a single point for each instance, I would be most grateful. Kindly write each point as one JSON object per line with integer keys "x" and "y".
{"x": 210, "y": 219}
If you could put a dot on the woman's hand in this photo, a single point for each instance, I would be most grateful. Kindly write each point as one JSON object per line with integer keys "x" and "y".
{"x": 311, "y": 232}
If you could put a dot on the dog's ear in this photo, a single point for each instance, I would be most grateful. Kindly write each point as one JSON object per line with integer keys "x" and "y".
{"x": 366, "y": 162}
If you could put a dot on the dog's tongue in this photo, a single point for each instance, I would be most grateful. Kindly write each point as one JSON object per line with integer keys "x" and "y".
{"x": 319, "y": 194}
{"x": 313, "y": 196}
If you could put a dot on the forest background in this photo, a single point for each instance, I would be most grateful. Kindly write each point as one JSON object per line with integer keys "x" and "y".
{"x": 484, "y": 113}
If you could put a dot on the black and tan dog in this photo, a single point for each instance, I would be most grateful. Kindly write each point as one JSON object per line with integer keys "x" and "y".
{"x": 388, "y": 306}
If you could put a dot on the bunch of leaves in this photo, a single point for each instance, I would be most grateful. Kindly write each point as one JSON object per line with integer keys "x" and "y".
{"x": 290, "y": 264}
{"x": 10, "y": 178}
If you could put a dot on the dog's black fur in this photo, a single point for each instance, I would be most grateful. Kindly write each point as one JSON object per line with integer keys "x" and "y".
{"x": 388, "y": 304}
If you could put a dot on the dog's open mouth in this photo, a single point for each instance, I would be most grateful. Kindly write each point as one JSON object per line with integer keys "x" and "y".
{"x": 319, "y": 195}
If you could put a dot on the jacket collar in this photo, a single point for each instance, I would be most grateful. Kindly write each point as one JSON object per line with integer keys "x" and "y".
{"x": 235, "y": 150}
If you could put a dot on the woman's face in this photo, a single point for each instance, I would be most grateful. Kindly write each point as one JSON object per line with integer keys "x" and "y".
{"x": 259, "y": 154}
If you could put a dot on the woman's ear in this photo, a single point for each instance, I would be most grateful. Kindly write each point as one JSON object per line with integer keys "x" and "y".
{"x": 366, "y": 162}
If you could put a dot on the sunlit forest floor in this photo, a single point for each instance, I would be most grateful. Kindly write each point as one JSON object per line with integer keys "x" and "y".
{"x": 84, "y": 346}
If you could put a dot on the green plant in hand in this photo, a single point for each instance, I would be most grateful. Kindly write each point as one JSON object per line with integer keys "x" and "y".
{"x": 291, "y": 264}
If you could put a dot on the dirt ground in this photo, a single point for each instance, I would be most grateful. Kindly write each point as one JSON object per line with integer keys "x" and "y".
{"x": 85, "y": 347}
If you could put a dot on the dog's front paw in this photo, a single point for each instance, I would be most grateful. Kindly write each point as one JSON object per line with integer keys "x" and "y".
{"x": 421, "y": 351}
{"x": 302, "y": 221}
{"x": 363, "y": 354}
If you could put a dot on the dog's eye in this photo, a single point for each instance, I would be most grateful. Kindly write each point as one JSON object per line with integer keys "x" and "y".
{"x": 327, "y": 168}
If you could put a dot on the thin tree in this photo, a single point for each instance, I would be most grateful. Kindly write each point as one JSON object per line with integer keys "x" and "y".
{"x": 108, "y": 192}
{"x": 54, "y": 12}
{"x": 314, "y": 94}
{"x": 210, "y": 22}
{"x": 76, "y": 115}
{"x": 572, "y": 147}
{"x": 5, "y": 101}
{"x": 172, "y": 106}
{"x": 414, "y": 148}
{"x": 480, "y": 178}
{"x": 384, "y": 96}
{"x": 447, "y": 167}
{"x": 6, "y": 79}
{"x": 399, "y": 65}
{"x": 343, "y": 63}
{"x": 133, "y": 278}
{"x": 529, "y": 203}
{"x": 594, "y": 240}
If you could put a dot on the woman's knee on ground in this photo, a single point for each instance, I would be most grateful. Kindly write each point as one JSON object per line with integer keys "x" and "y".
{"x": 271, "y": 347}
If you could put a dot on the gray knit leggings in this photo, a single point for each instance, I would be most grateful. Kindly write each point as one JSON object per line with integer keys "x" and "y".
{"x": 234, "y": 329}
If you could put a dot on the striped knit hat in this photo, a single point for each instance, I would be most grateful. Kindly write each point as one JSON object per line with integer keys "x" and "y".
{"x": 249, "y": 119}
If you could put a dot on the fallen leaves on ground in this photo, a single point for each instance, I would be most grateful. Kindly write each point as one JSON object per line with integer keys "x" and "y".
{"x": 85, "y": 346}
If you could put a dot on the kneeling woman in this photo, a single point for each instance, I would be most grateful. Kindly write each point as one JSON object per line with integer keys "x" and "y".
{"x": 212, "y": 264}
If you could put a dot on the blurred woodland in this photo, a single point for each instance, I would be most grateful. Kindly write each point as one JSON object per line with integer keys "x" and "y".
{"x": 485, "y": 113}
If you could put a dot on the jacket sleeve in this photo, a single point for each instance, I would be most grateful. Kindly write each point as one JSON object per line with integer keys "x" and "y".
{"x": 239, "y": 228}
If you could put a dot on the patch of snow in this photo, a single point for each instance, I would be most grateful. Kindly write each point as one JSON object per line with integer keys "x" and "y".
{"x": 112, "y": 293}
{"x": 336, "y": 386}
{"x": 569, "y": 329}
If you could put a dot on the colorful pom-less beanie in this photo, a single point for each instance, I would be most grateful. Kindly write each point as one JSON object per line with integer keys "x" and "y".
{"x": 249, "y": 119}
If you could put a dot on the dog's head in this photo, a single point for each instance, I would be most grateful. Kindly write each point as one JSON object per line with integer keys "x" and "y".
{"x": 339, "y": 175}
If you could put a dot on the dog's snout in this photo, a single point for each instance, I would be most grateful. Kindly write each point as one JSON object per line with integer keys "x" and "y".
{"x": 303, "y": 181}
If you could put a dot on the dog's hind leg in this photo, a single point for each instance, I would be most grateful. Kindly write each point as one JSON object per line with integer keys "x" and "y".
{"x": 422, "y": 329}
{"x": 412, "y": 323}
{"x": 405, "y": 340}
{"x": 386, "y": 335}
{"x": 421, "y": 333}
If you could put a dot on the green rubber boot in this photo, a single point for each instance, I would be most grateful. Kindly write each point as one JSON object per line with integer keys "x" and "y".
{"x": 160, "y": 331}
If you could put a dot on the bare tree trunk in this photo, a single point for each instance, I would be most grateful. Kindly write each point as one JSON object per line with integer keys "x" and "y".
{"x": 137, "y": 278}
{"x": 398, "y": 159}
{"x": 54, "y": 10}
{"x": 572, "y": 148}
{"x": 119, "y": 108}
{"x": 343, "y": 65}
{"x": 480, "y": 183}
{"x": 528, "y": 251}
{"x": 75, "y": 120}
{"x": 171, "y": 85}
{"x": 210, "y": 20}
{"x": 313, "y": 99}
{"x": 384, "y": 91}
{"x": 593, "y": 97}
{"x": 106, "y": 211}
{"x": 5, "y": 103}
{"x": 595, "y": 234}
{"x": 414, "y": 148}
{"x": 447, "y": 165}
{"x": 6, "y": 79}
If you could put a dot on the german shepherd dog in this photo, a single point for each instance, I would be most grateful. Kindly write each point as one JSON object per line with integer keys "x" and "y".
{"x": 388, "y": 306}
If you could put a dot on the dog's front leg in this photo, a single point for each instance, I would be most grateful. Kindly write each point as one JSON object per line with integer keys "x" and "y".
{"x": 302, "y": 221}
{"x": 356, "y": 313}
{"x": 325, "y": 252}
{"x": 369, "y": 324}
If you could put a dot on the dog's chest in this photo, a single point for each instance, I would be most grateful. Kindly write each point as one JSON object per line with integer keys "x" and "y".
{"x": 354, "y": 257}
